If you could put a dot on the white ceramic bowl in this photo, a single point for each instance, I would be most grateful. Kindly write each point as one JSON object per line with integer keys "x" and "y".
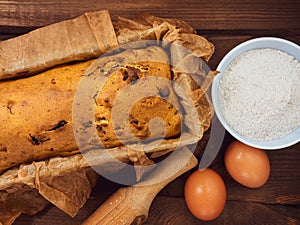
{"x": 264, "y": 42}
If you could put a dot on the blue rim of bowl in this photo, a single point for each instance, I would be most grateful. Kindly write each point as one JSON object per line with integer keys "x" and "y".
{"x": 256, "y": 43}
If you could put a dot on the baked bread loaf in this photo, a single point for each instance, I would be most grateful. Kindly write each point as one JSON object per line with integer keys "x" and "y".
{"x": 36, "y": 112}
{"x": 38, "y": 128}
{"x": 155, "y": 99}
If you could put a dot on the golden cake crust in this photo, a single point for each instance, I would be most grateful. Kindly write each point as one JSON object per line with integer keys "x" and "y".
{"x": 36, "y": 112}
{"x": 36, "y": 115}
{"x": 159, "y": 101}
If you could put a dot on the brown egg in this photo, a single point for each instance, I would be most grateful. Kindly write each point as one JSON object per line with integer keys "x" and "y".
{"x": 247, "y": 165}
{"x": 205, "y": 194}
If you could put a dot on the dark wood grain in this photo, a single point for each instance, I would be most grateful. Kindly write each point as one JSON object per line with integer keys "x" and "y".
{"x": 173, "y": 210}
{"x": 226, "y": 23}
{"x": 281, "y": 188}
{"x": 235, "y": 212}
{"x": 224, "y": 43}
{"x": 203, "y": 15}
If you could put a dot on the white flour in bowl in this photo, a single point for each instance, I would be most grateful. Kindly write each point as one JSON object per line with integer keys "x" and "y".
{"x": 259, "y": 94}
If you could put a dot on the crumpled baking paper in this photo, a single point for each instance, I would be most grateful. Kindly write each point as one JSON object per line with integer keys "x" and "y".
{"x": 67, "y": 181}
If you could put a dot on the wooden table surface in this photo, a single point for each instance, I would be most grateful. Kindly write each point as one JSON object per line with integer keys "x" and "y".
{"x": 226, "y": 23}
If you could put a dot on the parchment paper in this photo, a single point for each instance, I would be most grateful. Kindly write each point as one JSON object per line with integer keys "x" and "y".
{"x": 33, "y": 185}
{"x": 84, "y": 37}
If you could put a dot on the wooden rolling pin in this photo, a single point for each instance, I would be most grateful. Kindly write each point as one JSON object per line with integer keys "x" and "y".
{"x": 131, "y": 205}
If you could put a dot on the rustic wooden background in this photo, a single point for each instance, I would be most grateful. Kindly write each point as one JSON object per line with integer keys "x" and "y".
{"x": 226, "y": 23}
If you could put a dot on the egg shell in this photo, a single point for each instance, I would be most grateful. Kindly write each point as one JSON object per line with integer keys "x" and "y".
{"x": 247, "y": 165}
{"x": 205, "y": 194}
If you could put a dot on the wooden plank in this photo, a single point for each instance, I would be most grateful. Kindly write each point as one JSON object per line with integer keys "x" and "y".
{"x": 172, "y": 210}
{"x": 281, "y": 188}
{"x": 203, "y": 15}
{"x": 224, "y": 43}
{"x": 6, "y": 36}
{"x": 283, "y": 185}
{"x": 167, "y": 210}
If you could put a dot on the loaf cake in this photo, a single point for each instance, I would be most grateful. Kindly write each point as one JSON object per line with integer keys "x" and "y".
{"x": 36, "y": 112}
{"x": 159, "y": 100}
{"x": 40, "y": 160}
